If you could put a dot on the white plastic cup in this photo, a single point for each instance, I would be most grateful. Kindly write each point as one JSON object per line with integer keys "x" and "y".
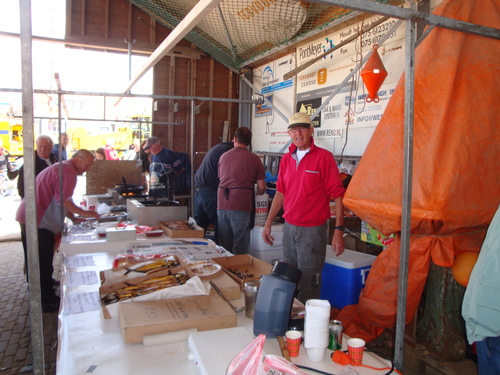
{"x": 315, "y": 354}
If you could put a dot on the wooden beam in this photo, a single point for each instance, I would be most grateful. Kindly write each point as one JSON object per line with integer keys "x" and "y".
{"x": 106, "y": 19}
{"x": 229, "y": 95}
{"x": 210, "y": 104}
{"x": 129, "y": 24}
{"x": 170, "y": 108}
{"x": 199, "y": 11}
{"x": 152, "y": 31}
{"x": 82, "y": 26}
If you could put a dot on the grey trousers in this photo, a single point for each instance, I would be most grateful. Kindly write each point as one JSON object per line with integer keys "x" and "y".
{"x": 234, "y": 230}
{"x": 305, "y": 248}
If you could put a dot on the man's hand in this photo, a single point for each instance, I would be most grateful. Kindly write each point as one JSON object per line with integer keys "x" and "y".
{"x": 266, "y": 235}
{"x": 338, "y": 245}
{"x": 91, "y": 214}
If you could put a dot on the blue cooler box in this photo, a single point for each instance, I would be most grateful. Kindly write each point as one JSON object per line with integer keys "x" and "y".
{"x": 344, "y": 276}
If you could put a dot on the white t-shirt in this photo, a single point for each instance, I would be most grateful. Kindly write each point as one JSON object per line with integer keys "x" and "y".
{"x": 300, "y": 154}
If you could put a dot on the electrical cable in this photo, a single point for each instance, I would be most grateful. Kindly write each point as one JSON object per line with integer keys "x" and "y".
{"x": 348, "y": 121}
{"x": 315, "y": 370}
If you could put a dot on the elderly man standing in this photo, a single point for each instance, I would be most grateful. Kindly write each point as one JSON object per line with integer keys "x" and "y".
{"x": 308, "y": 178}
{"x": 63, "y": 144}
{"x": 43, "y": 159}
{"x": 164, "y": 165}
{"x": 239, "y": 171}
{"x": 50, "y": 221}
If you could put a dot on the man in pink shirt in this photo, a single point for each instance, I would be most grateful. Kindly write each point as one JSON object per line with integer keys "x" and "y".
{"x": 49, "y": 218}
{"x": 308, "y": 178}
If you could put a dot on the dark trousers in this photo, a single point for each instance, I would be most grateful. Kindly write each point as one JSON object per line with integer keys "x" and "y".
{"x": 488, "y": 356}
{"x": 46, "y": 242}
{"x": 205, "y": 209}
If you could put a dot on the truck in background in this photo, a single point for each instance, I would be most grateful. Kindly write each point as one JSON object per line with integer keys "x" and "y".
{"x": 11, "y": 133}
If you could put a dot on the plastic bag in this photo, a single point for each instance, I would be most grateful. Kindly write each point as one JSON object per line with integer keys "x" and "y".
{"x": 248, "y": 361}
{"x": 275, "y": 363}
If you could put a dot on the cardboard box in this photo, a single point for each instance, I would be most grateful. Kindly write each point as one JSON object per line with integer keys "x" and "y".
{"x": 198, "y": 232}
{"x": 371, "y": 235}
{"x": 344, "y": 276}
{"x": 138, "y": 319}
{"x": 244, "y": 264}
{"x": 126, "y": 270}
{"x": 229, "y": 287}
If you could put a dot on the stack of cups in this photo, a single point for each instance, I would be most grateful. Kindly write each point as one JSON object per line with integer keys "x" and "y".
{"x": 316, "y": 329}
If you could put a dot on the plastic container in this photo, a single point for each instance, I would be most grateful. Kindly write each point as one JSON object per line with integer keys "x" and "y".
{"x": 251, "y": 289}
{"x": 272, "y": 307}
{"x": 261, "y": 250}
{"x": 344, "y": 277}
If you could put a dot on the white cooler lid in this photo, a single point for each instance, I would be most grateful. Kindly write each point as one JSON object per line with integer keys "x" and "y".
{"x": 349, "y": 259}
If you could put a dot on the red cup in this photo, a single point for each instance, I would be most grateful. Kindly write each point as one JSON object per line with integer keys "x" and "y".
{"x": 356, "y": 348}
{"x": 293, "y": 341}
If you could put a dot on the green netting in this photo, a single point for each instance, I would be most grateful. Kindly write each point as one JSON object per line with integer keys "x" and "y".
{"x": 237, "y": 31}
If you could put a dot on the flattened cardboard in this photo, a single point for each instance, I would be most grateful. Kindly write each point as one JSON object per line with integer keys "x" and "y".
{"x": 106, "y": 289}
{"x": 199, "y": 232}
{"x": 102, "y": 274}
{"x": 244, "y": 263}
{"x": 138, "y": 319}
{"x": 227, "y": 285}
{"x": 105, "y": 174}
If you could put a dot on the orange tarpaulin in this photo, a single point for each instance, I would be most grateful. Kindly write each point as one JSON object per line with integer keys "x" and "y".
{"x": 456, "y": 188}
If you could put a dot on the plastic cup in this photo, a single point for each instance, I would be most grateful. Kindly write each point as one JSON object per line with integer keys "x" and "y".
{"x": 315, "y": 354}
{"x": 293, "y": 340}
{"x": 356, "y": 348}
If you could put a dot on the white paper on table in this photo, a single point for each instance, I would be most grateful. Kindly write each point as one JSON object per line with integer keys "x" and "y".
{"x": 81, "y": 278}
{"x": 79, "y": 261}
{"x": 193, "y": 287}
{"x": 103, "y": 208}
{"x": 141, "y": 248}
{"x": 76, "y": 303}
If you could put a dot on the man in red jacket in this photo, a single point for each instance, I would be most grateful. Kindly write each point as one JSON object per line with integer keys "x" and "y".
{"x": 307, "y": 179}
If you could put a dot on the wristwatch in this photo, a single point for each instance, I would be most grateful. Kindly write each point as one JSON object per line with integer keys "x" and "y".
{"x": 340, "y": 227}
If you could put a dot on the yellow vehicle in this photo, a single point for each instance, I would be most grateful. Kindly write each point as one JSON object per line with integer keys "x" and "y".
{"x": 119, "y": 137}
{"x": 11, "y": 134}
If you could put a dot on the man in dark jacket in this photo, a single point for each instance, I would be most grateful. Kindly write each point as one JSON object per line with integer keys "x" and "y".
{"x": 43, "y": 158}
{"x": 206, "y": 183}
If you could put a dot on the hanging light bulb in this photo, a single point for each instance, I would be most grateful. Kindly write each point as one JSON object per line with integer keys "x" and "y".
{"x": 373, "y": 75}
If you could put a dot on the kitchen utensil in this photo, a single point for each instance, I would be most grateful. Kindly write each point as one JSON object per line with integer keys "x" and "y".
{"x": 216, "y": 288}
{"x": 194, "y": 242}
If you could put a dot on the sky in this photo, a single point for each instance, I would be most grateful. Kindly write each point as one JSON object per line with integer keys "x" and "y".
{"x": 78, "y": 70}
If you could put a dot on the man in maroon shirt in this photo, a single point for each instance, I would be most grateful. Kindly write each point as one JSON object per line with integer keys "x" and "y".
{"x": 239, "y": 171}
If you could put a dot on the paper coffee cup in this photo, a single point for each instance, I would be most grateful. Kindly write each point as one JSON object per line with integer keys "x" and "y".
{"x": 293, "y": 341}
{"x": 356, "y": 348}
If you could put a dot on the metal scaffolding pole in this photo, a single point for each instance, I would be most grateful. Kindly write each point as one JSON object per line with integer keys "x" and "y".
{"x": 191, "y": 152}
{"x": 29, "y": 189}
{"x": 404, "y": 250}
{"x": 105, "y": 94}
